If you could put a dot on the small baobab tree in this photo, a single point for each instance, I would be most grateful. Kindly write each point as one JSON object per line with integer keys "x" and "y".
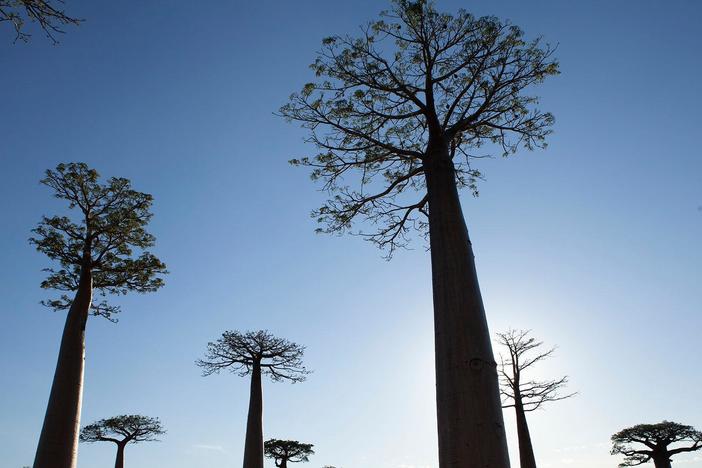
{"x": 657, "y": 442}
{"x": 95, "y": 252}
{"x": 255, "y": 353}
{"x": 524, "y": 394}
{"x": 48, "y": 14}
{"x": 123, "y": 430}
{"x": 407, "y": 106}
{"x": 287, "y": 451}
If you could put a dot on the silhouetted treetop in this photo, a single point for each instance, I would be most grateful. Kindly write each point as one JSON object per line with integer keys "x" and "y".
{"x": 284, "y": 451}
{"x": 278, "y": 358}
{"x": 48, "y": 14}
{"x": 101, "y": 237}
{"x": 122, "y": 429}
{"x": 414, "y": 79}
{"x": 657, "y": 439}
{"x": 523, "y": 354}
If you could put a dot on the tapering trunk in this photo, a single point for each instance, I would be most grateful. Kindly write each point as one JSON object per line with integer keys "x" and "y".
{"x": 253, "y": 447}
{"x": 662, "y": 461}
{"x": 58, "y": 443}
{"x": 526, "y": 450}
{"x": 119, "y": 461}
{"x": 469, "y": 411}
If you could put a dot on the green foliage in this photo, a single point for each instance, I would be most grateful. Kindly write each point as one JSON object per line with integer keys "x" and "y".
{"x": 46, "y": 13}
{"x": 656, "y": 438}
{"x": 109, "y": 225}
{"x": 287, "y": 450}
{"x": 132, "y": 428}
{"x": 414, "y": 80}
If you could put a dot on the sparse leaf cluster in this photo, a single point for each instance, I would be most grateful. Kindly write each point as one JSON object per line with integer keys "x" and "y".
{"x": 110, "y": 224}
{"x": 415, "y": 78}
{"x": 656, "y": 438}
{"x": 531, "y": 394}
{"x": 279, "y": 358}
{"x": 48, "y": 14}
{"x": 123, "y": 429}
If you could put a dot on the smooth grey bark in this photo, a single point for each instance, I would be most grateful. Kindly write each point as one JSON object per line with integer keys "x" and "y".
{"x": 119, "y": 461}
{"x": 469, "y": 411}
{"x": 58, "y": 442}
{"x": 253, "y": 447}
{"x": 526, "y": 449}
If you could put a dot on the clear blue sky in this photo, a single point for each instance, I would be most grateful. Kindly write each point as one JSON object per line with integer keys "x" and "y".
{"x": 594, "y": 243}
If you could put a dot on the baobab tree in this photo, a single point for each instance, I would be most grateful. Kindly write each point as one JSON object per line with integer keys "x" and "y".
{"x": 95, "y": 251}
{"x": 523, "y": 394}
{"x": 408, "y": 105}
{"x": 255, "y": 353}
{"x": 48, "y": 14}
{"x": 123, "y": 430}
{"x": 287, "y": 451}
{"x": 661, "y": 442}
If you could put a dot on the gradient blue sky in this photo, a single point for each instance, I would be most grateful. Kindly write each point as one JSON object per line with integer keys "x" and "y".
{"x": 593, "y": 244}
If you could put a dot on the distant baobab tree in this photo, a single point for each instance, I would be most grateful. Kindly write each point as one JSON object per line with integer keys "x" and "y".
{"x": 524, "y": 394}
{"x": 287, "y": 451}
{"x": 408, "y": 105}
{"x": 657, "y": 442}
{"x": 48, "y": 14}
{"x": 95, "y": 252}
{"x": 255, "y": 353}
{"x": 123, "y": 430}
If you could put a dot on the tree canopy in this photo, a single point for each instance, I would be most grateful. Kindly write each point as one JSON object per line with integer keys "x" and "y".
{"x": 531, "y": 393}
{"x": 109, "y": 225}
{"x": 412, "y": 79}
{"x": 283, "y": 451}
{"x": 278, "y": 358}
{"x": 657, "y": 439}
{"x": 48, "y": 14}
{"x": 131, "y": 428}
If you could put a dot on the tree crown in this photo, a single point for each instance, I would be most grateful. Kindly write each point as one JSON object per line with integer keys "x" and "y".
{"x": 278, "y": 358}
{"x": 656, "y": 438}
{"x": 123, "y": 429}
{"x": 110, "y": 224}
{"x": 530, "y": 393}
{"x": 46, "y": 13}
{"x": 288, "y": 450}
{"x": 413, "y": 81}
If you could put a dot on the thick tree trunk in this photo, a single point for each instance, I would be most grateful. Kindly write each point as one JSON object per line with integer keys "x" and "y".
{"x": 119, "y": 461}
{"x": 283, "y": 463}
{"x": 253, "y": 448}
{"x": 526, "y": 450}
{"x": 469, "y": 412}
{"x": 58, "y": 443}
{"x": 662, "y": 461}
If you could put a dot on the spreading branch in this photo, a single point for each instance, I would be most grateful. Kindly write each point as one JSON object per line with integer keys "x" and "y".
{"x": 106, "y": 235}
{"x": 530, "y": 395}
{"x": 123, "y": 430}
{"x": 238, "y": 352}
{"x": 414, "y": 78}
{"x": 658, "y": 440}
{"x": 46, "y": 13}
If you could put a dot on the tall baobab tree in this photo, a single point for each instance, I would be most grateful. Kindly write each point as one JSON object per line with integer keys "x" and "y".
{"x": 255, "y": 353}
{"x": 95, "y": 252}
{"x": 522, "y": 394}
{"x": 661, "y": 442}
{"x": 123, "y": 430}
{"x": 287, "y": 451}
{"x": 48, "y": 14}
{"x": 407, "y": 106}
